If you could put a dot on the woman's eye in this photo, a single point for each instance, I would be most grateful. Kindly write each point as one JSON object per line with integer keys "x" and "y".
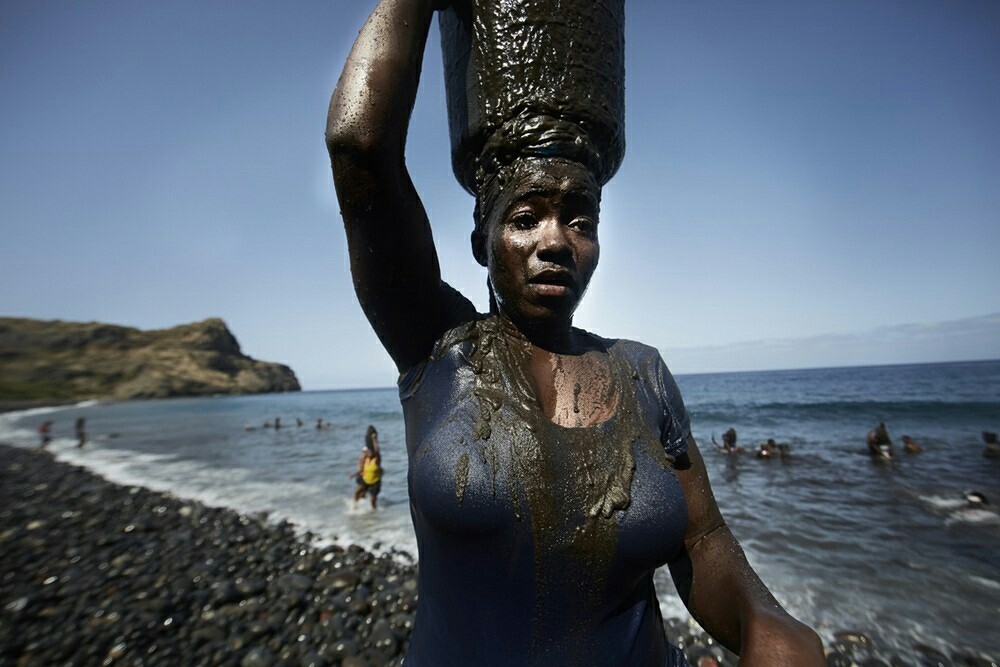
{"x": 523, "y": 220}
{"x": 585, "y": 225}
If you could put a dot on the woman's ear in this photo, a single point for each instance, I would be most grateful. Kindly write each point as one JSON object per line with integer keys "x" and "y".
{"x": 478, "y": 240}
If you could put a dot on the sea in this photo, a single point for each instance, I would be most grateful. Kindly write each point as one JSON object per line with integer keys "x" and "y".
{"x": 889, "y": 548}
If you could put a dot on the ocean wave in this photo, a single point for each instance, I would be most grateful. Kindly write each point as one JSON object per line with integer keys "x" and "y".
{"x": 944, "y": 502}
{"x": 983, "y": 581}
{"x": 973, "y": 516}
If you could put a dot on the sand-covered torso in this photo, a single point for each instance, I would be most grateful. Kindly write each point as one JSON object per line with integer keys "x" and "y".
{"x": 537, "y": 542}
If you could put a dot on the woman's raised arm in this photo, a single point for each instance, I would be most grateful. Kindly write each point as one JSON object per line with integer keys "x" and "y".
{"x": 393, "y": 261}
{"x": 722, "y": 591}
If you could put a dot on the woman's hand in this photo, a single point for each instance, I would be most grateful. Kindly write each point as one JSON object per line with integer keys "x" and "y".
{"x": 778, "y": 640}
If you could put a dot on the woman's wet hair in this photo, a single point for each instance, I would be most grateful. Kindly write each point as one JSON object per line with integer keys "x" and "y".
{"x": 370, "y": 436}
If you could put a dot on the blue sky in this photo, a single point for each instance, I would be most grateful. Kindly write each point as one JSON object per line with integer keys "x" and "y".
{"x": 794, "y": 170}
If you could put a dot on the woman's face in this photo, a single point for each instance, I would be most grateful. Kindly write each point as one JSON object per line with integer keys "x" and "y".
{"x": 542, "y": 246}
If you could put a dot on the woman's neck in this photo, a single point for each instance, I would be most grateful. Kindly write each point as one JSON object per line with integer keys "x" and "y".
{"x": 555, "y": 338}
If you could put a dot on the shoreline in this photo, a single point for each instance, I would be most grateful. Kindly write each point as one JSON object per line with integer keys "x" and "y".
{"x": 18, "y": 406}
{"x": 91, "y": 570}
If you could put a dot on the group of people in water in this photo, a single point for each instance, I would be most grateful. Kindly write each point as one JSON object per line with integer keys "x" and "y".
{"x": 276, "y": 424}
{"x": 79, "y": 430}
{"x": 879, "y": 444}
{"x": 766, "y": 450}
{"x": 879, "y": 447}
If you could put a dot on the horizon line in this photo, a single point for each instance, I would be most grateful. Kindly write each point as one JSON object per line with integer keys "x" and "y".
{"x": 758, "y": 370}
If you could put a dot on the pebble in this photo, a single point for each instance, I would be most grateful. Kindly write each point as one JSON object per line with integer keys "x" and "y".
{"x": 257, "y": 657}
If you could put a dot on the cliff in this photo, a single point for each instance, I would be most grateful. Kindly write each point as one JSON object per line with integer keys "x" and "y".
{"x": 75, "y": 360}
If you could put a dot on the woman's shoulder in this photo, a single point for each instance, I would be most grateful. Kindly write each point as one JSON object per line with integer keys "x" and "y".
{"x": 632, "y": 350}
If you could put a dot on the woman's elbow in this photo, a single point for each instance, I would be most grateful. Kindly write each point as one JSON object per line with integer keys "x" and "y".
{"x": 353, "y": 159}
{"x": 778, "y": 640}
{"x": 342, "y": 140}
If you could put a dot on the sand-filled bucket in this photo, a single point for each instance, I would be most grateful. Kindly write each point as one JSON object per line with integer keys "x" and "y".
{"x": 542, "y": 77}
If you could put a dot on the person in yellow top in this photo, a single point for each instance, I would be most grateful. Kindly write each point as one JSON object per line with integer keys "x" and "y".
{"x": 369, "y": 473}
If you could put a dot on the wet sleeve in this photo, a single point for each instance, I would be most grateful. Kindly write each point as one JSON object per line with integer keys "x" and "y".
{"x": 677, "y": 426}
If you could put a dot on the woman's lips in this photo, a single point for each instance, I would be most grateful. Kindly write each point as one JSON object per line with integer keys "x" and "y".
{"x": 552, "y": 283}
{"x": 549, "y": 289}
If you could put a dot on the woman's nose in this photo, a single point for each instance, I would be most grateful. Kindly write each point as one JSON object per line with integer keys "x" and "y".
{"x": 552, "y": 242}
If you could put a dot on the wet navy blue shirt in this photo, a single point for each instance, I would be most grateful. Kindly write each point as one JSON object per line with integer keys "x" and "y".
{"x": 514, "y": 568}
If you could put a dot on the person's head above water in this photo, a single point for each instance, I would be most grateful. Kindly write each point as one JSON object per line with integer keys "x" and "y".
{"x": 536, "y": 233}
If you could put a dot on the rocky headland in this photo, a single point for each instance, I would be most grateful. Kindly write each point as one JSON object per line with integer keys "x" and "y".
{"x": 53, "y": 360}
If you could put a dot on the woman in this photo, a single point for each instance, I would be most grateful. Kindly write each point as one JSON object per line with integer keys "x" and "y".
{"x": 550, "y": 470}
{"x": 369, "y": 474}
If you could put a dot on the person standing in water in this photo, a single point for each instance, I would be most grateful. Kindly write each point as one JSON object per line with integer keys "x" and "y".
{"x": 45, "y": 433}
{"x": 81, "y": 432}
{"x": 551, "y": 470}
{"x": 369, "y": 474}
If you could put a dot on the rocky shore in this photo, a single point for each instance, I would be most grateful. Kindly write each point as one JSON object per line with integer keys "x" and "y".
{"x": 52, "y": 361}
{"x": 96, "y": 573}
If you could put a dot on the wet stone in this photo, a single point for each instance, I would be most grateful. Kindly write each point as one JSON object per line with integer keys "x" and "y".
{"x": 313, "y": 659}
{"x": 931, "y": 657}
{"x": 342, "y": 649}
{"x": 293, "y": 584}
{"x": 258, "y": 657}
{"x": 873, "y": 662}
{"x": 838, "y": 659}
{"x": 342, "y": 580}
{"x": 383, "y": 638}
{"x": 964, "y": 659}
{"x": 250, "y": 587}
{"x": 852, "y": 637}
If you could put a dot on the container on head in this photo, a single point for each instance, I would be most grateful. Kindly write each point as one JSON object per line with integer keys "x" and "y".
{"x": 542, "y": 78}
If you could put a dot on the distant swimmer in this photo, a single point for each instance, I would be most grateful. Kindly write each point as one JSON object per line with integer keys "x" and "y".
{"x": 319, "y": 424}
{"x": 267, "y": 424}
{"x": 879, "y": 443}
{"x": 45, "y": 434}
{"x": 81, "y": 432}
{"x": 728, "y": 442}
{"x": 729, "y": 439}
{"x": 772, "y": 449}
{"x": 910, "y": 446}
{"x": 369, "y": 473}
{"x": 298, "y": 422}
{"x": 976, "y": 499}
{"x": 992, "y": 450}
{"x": 277, "y": 423}
{"x": 767, "y": 449}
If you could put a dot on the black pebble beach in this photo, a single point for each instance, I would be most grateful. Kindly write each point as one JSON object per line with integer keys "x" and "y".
{"x": 94, "y": 573}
